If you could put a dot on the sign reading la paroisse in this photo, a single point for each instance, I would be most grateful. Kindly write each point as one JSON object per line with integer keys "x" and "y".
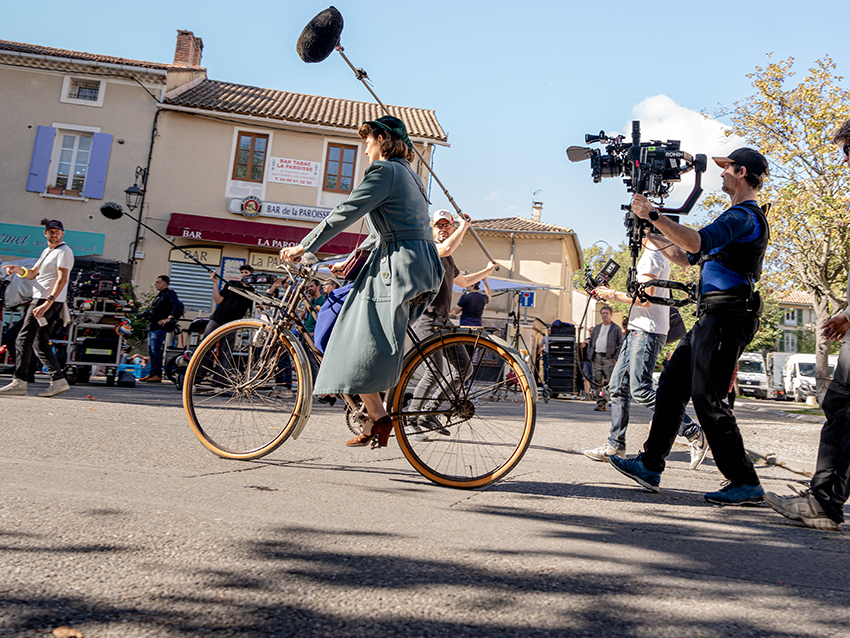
{"x": 284, "y": 211}
{"x": 284, "y": 170}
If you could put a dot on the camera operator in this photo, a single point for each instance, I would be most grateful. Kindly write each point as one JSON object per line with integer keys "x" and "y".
{"x": 730, "y": 252}
{"x": 631, "y": 378}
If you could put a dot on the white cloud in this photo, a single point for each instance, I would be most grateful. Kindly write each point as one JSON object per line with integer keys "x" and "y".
{"x": 662, "y": 119}
{"x": 493, "y": 196}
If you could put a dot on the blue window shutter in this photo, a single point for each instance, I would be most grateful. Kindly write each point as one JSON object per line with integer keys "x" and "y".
{"x": 40, "y": 162}
{"x": 98, "y": 163}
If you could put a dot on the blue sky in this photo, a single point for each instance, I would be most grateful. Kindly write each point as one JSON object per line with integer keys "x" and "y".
{"x": 513, "y": 84}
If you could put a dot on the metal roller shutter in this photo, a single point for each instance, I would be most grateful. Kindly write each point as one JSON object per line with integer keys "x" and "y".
{"x": 192, "y": 284}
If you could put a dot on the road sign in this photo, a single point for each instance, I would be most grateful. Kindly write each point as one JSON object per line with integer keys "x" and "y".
{"x": 526, "y": 300}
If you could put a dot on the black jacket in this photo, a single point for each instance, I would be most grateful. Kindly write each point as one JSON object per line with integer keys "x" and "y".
{"x": 615, "y": 338}
{"x": 165, "y": 304}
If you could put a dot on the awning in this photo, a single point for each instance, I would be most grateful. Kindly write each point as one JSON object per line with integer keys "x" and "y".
{"x": 508, "y": 285}
{"x": 252, "y": 233}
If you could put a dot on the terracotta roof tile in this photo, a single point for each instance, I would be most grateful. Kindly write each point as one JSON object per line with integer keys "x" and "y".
{"x": 518, "y": 225}
{"x": 35, "y": 49}
{"x": 296, "y": 107}
{"x": 795, "y": 297}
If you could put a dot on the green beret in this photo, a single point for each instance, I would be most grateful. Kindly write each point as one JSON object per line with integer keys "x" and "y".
{"x": 392, "y": 125}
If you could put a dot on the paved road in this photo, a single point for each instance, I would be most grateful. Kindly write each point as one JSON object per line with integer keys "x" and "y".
{"x": 117, "y": 522}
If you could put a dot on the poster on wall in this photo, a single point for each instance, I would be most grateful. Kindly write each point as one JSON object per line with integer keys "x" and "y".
{"x": 230, "y": 268}
{"x": 284, "y": 170}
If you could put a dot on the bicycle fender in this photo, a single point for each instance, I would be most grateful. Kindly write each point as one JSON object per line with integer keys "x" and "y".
{"x": 305, "y": 404}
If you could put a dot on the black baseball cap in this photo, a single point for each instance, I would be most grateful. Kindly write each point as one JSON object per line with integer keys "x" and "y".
{"x": 54, "y": 223}
{"x": 753, "y": 161}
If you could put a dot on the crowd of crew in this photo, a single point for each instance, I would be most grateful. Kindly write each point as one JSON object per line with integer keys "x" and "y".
{"x": 407, "y": 281}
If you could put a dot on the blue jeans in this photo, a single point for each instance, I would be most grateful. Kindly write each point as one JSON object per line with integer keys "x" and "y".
{"x": 156, "y": 347}
{"x": 632, "y": 379}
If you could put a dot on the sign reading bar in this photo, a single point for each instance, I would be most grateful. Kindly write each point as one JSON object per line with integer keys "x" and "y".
{"x": 285, "y": 211}
{"x": 207, "y": 255}
{"x": 284, "y": 170}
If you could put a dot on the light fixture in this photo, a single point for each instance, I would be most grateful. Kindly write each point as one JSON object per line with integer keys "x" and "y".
{"x": 136, "y": 193}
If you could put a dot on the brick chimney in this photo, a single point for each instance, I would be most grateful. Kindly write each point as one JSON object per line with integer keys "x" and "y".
{"x": 189, "y": 49}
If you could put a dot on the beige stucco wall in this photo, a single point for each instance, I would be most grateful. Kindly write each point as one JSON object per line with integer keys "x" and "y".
{"x": 29, "y": 98}
{"x": 541, "y": 259}
{"x": 191, "y": 170}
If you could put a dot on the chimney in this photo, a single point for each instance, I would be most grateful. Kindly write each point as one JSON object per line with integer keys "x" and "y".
{"x": 189, "y": 49}
{"x": 537, "y": 210}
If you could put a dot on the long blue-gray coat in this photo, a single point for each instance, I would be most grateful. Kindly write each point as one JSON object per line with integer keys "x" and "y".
{"x": 365, "y": 350}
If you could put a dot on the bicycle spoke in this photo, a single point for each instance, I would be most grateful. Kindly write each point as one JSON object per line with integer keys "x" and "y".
{"x": 465, "y": 439}
{"x": 242, "y": 416}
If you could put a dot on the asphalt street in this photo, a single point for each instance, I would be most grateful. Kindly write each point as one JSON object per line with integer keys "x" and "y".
{"x": 116, "y": 522}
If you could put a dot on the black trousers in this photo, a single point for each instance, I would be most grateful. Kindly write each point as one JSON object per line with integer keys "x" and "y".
{"x": 831, "y": 482}
{"x": 33, "y": 337}
{"x": 701, "y": 369}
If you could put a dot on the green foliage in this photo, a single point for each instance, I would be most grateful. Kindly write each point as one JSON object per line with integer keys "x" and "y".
{"x": 142, "y": 303}
{"x": 808, "y": 188}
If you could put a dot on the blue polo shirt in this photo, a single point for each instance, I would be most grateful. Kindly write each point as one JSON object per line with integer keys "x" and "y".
{"x": 738, "y": 225}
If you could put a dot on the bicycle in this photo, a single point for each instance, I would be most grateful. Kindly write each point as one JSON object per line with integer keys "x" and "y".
{"x": 450, "y": 433}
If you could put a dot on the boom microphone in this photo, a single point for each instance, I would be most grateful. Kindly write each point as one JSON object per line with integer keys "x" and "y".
{"x": 112, "y": 210}
{"x": 321, "y": 36}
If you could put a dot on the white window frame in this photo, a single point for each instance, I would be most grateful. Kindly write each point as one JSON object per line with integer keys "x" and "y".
{"x": 791, "y": 317}
{"x": 330, "y": 199}
{"x": 66, "y": 89}
{"x": 790, "y": 341}
{"x": 61, "y": 131}
{"x": 238, "y": 187}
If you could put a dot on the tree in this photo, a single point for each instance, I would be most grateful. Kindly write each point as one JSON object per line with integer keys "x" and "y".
{"x": 793, "y": 125}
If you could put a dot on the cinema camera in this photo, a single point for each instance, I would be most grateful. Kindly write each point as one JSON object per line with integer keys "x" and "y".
{"x": 650, "y": 169}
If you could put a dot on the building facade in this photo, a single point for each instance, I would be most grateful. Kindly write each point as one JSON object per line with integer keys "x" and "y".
{"x": 75, "y": 126}
{"x": 797, "y": 321}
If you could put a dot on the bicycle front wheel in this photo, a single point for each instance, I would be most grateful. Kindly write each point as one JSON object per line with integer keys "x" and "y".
{"x": 246, "y": 390}
{"x": 465, "y": 409}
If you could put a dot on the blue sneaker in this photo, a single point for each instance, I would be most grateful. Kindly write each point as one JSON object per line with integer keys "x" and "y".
{"x": 637, "y": 471}
{"x": 737, "y": 495}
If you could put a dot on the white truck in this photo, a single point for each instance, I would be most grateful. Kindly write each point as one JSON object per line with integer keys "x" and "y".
{"x": 775, "y": 382}
{"x": 798, "y": 374}
{"x": 752, "y": 378}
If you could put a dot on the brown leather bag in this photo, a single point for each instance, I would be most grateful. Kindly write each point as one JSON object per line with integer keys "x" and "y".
{"x": 354, "y": 264}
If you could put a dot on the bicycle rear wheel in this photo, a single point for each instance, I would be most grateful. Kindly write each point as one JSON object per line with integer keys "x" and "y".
{"x": 235, "y": 392}
{"x": 464, "y": 434}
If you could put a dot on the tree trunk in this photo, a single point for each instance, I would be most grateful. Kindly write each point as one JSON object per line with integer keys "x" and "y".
{"x": 822, "y": 375}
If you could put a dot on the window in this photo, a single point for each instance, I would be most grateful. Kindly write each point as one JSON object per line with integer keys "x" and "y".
{"x": 250, "y": 159}
{"x": 85, "y": 91}
{"x": 790, "y": 317}
{"x": 70, "y": 158}
{"x": 73, "y": 162}
{"x": 339, "y": 168}
{"x": 790, "y": 342}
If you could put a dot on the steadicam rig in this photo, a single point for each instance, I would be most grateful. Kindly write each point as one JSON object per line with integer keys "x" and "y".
{"x": 650, "y": 169}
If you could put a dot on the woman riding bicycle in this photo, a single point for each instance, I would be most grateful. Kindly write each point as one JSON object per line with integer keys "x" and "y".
{"x": 398, "y": 281}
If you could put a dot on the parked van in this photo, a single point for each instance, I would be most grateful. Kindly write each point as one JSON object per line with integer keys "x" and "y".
{"x": 799, "y": 375}
{"x": 752, "y": 377}
{"x": 775, "y": 382}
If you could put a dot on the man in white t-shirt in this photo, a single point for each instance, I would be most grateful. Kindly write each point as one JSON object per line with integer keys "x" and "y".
{"x": 50, "y": 289}
{"x": 631, "y": 377}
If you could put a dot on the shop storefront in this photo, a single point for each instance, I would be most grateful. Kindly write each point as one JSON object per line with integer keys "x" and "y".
{"x": 224, "y": 245}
